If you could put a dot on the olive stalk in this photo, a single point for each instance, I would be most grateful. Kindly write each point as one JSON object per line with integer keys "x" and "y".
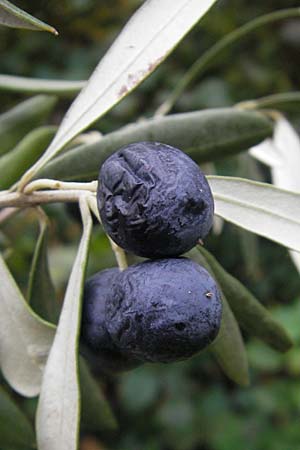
{"x": 45, "y": 183}
{"x": 45, "y": 191}
{"x": 7, "y": 213}
{"x": 25, "y": 85}
{"x": 119, "y": 254}
{"x": 22, "y": 200}
{"x": 118, "y": 251}
{"x": 286, "y": 101}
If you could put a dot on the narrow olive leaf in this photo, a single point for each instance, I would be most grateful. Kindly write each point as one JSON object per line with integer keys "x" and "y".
{"x": 25, "y": 338}
{"x": 18, "y": 121}
{"x": 250, "y": 246}
{"x": 229, "y": 349}
{"x": 266, "y": 153}
{"x": 14, "y": 17}
{"x": 41, "y": 293}
{"x": 25, "y": 85}
{"x": 15, "y": 428}
{"x": 96, "y": 411}
{"x": 249, "y": 242}
{"x": 148, "y": 38}
{"x": 251, "y": 315}
{"x": 295, "y": 258}
{"x": 282, "y": 154}
{"x": 212, "y": 55}
{"x": 58, "y": 413}
{"x": 204, "y": 135}
{"x": 287, "y": 101}
{"x": 260, "y": 208}
{"x": 29, "y": 149}
{"x": 285, "y": 149}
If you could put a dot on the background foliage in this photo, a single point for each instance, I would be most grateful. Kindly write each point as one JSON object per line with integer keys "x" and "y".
{"x": 190, "y": 405}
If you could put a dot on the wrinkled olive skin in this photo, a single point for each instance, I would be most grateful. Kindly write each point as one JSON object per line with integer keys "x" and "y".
{"x": 154, "y": 200}
{"x": 163, "y": 310}
{"x": 97, "y": 344}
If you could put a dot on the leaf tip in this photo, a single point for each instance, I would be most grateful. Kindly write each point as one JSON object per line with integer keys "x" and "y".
{"x": 54, "y": 31}
{"x": 285, "y": 344}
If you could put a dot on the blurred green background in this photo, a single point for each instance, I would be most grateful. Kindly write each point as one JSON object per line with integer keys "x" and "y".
{"x": 190, "y": 405}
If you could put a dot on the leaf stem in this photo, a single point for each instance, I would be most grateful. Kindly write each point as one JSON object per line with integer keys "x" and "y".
{"x": 118, "y": 251}
{"x": 119, "y": 254}
{"x": 208, "y": 57}
{"x": 25, "y": 85}
{"x": 42, "y": 218}
{"x": 45, "y": 183}
{"x": 287, "y": 101}
{"x": 21, "y": 200}
{"x": 7, "y": 213}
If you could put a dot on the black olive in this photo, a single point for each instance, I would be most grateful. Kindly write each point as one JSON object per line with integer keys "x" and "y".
{"x": 163, "y": 310}
{"x": 97, "y": 345}
{"x": 154, "y": 200}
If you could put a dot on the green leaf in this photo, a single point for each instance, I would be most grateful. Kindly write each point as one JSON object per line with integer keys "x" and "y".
{"x": 204, "y": 135}
{"x": 14, "y": 17}
{"x": 259, "y": 207}
{"x": 18, "y": 121}
{"x": 27, "y": 85}
{"x": 229, "y": 349}
{"x": 249, "y": 242}
{"x": 41, "y": 293}
{"x": 14, "y": 163}
{"x": 58, "y": 410}
{"x": 147, "y": 39}
{"x": 96, "y": 412}
{"x": 25, "y": 338}
{"x": 286, "y": 101}
{"x": 250, "y": 246}
{"x": 251, "y": 315}
{"x": 15, "y": 428}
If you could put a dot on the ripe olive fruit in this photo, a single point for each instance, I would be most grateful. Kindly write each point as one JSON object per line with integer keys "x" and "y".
{"x": 154, "y": 200}
{"x": 98, "y": 346}
{"x": 163, "y": 310}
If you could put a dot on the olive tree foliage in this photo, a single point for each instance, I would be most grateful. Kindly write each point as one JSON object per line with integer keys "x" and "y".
{"x": 12, "y": 16}
{"x": 34, "y": 173}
